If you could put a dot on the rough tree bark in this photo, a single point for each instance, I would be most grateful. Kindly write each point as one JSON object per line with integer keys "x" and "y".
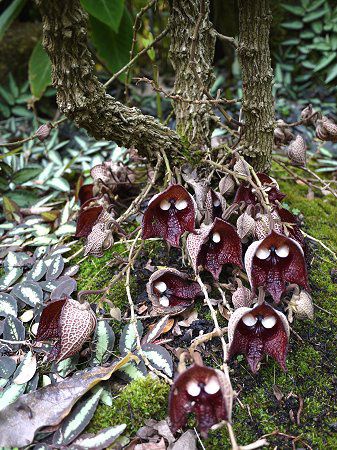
{"x": 192, "y": 72}
{"x": 81, "y": 97}
{"x": 257, "y": 81}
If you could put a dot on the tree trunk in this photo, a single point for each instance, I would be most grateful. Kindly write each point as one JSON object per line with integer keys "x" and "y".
{"x": 193, "y": 72}
{"x": 80, "y": 95}
{"x": 257, "y": 81}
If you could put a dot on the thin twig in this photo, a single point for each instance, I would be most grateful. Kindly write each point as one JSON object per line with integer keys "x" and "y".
{"x": 134, "y": 59}
{"x": 30, "y": 138}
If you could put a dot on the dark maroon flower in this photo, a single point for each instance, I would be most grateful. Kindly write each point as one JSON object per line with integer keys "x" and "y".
{"x": 172, "y": 291}
{"x": 85, "y": 193}
{"x": 68, "y": 321}
{"x": 258, "y": 331}
{"x": 246, "y": 194}
{"x": 204, "y": 391}
{"x": 213, "y": 246}
{"x": 274, "y": 261}
{"x": 169, "y": 214}
{"x": 87, "y": 217}
{"x": 290, "y": 224}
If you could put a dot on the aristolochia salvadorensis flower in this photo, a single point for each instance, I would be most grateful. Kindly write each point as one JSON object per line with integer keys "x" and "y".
{"x": 169, "y": 214}
{"x": 204, "y": 391}
{"x": 68, "y": 322}
{"x": 213, "y": 246}
{"x": 171, "y": 290}
{"x": 247, "y": 194}
{"x": 273, "y": 262}
{"x": 257, "y": 331}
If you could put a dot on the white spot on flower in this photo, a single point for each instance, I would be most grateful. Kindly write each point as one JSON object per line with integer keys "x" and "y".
{"x": 249, "y": 320}
{"x": 216, "y": 203}
{"x": 216, "y": 237}
{"x": 282, "y": 251}
{"x": 263, "y": 253}
{"x": 164, "y": 301}
{"x": 213, "y": 386}
{"x": 160, "y": 286}
{"x": 165, "y": 205}
{"x": 193, "y": 388}
{"x": 269, "y": 321}
{"x": 181, "y": 204}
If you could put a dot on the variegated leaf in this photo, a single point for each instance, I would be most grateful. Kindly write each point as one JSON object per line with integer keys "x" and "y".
{"x": 133, "y": 371}
{"x": 14, "y": 260}
{"x": 65, "y": 288}
{"x": 99, "y": 441}
{"x": 128, "y": 340}
{"x": 71, "y": 271}
{"x": 104, "y": 339}
{"x": 29, "y": 292}
{"x": 10, "y": 394}
{"x": 26, "y": 369}
{"x": 10, "y": 278}
{"x": 106, "y": 396}
{"x": 33, "y": 383}
{"x": 77, "y": 420}
{"x": 8, "y": 305}
{"x": 156, "y": 330}
{"x": 49, "y": 286}
{"x": 159, "y": 357}
{"x": 13, "y": 329}
{"x": 7, "y": 367}
{"x": 37, "y": 271}
{"x": 55, "y": 268}
{"x": 67, "y": 366}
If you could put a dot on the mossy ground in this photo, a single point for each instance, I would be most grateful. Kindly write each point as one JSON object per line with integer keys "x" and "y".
{"x": 311, "y": 376}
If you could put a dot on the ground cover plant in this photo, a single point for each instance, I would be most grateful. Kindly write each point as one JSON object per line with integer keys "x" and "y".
{"x": 168, "y": 272}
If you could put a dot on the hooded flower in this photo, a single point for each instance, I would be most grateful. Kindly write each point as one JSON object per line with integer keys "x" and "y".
{"x": 213, "y": 246}
{"x": 169, "y": 214}
{"x": 258, "y": 331}
{"x": 68, "y": 321}
{"x": 204, "y": 391}
{"x": 246, "y": 193}
{"x": 171, "y": 291}
{"x": 274, "y": 261}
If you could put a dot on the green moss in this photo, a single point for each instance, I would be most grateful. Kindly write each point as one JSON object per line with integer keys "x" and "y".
{"x": 140, "y": 400}
{"x": 311, "y": 374}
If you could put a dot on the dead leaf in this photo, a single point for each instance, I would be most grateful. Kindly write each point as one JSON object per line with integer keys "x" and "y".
{"x": 152, "y": 445}
{"x": 189, "y": 316}
{"x": 49, "y": 405}
{"x": 277, "y": 392}
{"x": 186, "y": 441}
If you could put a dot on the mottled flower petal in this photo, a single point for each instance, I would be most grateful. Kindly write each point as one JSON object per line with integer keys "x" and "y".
{"x": 266, "y": 268}
{"x": 169, "y": 214}
{"x": 213, "y": 246}
{"x": 174, "y": 286}
{"x": 267, "y": 334}
{"x": 204, "y": 391}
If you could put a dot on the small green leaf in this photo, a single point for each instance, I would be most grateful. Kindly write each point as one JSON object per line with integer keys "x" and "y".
{"x": 101, "y": 440}
{"x": 297, "y": 10}
{"x": 29, "y": 292}
{"x": 8, "y": 305}
{"x": 314, "y": 15}
{"x": 26, "y": 174}
{"x": 26, "y": 369}
{"x": 325, "y": 61}
{"x": 128, "y": 339}
{"x": 159, "y": 358}
{"x": 294, "y": 25}
{"x": 133, "y": 371}
{"x": 332, "y": 74}
{"x": 10, "y": 394}
{"x": 107, "y": 11}
{"x": 77, "y": 420}
{"x": 9, "y": 14}
{"x": 105, "y": 339}
{"x": 39, "y": 71}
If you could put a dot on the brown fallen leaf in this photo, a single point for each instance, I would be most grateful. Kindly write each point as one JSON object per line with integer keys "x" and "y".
{"x": 152, "y": 445}
{"x": 48, "y": 406}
